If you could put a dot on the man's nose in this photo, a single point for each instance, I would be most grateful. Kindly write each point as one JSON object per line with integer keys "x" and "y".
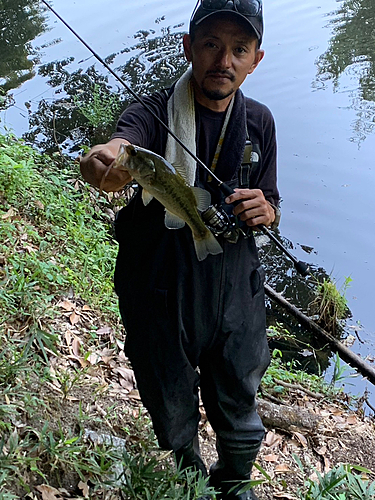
{"x": 224, "y": 59}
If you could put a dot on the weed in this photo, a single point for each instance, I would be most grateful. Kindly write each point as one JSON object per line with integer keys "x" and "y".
{"x": 341, "y": 483}
{"x": 102, "y": 108}
{"x": 330, "y": 303}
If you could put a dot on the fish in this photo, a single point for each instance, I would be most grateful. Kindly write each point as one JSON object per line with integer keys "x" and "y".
{"x": 161, "y": 180}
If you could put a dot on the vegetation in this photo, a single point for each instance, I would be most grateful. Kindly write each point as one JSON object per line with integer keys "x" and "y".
{"x": 70, "y": 418}
{"x": 330, "y": 303}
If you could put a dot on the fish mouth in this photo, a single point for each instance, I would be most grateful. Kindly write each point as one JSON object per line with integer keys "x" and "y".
{"x": 131, "y": 150}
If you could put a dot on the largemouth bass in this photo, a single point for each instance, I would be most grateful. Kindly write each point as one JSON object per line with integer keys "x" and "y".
{"x": 160, "y": 180}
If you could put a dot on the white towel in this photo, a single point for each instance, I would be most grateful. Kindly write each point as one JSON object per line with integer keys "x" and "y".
{"x": 181, "y": 120}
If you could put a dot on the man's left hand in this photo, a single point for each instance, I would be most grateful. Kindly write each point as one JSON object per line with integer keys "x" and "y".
{"x": 252, "y": 207}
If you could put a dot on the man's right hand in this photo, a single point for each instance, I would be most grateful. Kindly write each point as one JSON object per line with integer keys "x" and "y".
{"x": 97, "y": 163}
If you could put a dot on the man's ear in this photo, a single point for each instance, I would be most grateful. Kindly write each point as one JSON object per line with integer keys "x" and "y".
{"x": 187, "y": 46}
{"x": 258, "y": 57}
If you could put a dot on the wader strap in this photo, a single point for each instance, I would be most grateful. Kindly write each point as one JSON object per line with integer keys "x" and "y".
{"x": 251, "y": 158}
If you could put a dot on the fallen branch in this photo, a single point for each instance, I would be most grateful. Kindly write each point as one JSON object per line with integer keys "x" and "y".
{"x": 346, "y": 354}
{"x": 288, "y": 418}
{"x": 298, "y": 387}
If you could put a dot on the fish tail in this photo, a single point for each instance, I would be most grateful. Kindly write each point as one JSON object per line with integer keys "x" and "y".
{"x": 207, "y": 245}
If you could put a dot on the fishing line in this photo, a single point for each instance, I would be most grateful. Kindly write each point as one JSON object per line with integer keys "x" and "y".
{"x": 300, "y": 266}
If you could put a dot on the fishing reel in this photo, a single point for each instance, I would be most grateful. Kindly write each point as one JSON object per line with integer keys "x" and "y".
{"x": 220, "y": 223}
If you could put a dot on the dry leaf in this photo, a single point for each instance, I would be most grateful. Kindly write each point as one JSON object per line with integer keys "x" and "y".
{"x": 93, "y": 358}
{"x": 39, "y": 204}
{"x": 322, "y": 450}
{"x": 271, "y": 458}
{"x": 279, "y": 469}
{"x": 68, "y": 337}
{"x": 352, "y": 419}
{"x": 67, "y": 305}
{"x": 105, "y": 330}
{"x": 76, "y": 345}
{"x": 48, "y": 492}
{"x": 74, "y": 318}
{"x": 10, "y": 213}
{"x": 86, "y": 308}
{"x": 301, "y": 438}
{"x": 134, "y": 394}
{"x": 272, "y": 439}
{"x": 281, "y": 494}
{"x": 85, "y": 489}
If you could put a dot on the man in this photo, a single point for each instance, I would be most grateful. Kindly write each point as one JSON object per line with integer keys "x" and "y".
{"x": 182, "y": 315}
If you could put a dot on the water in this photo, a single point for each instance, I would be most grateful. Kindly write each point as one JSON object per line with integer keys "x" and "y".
{"x": 323, "y": 104}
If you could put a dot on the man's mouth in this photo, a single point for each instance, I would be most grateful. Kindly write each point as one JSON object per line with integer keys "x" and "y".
{"x": 220, "y": 75}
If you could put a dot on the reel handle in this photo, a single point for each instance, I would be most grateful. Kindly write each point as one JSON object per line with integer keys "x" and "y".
{"x": 301, "y": 267}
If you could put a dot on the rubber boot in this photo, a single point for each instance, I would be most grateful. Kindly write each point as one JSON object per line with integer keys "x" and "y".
{"x": 189, "y": 456}
{"x": 234, "y": 465}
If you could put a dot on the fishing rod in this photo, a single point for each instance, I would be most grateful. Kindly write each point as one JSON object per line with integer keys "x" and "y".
{"x": 301, "y": 267}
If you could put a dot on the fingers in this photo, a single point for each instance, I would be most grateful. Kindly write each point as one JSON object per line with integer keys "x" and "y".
{"x": 96, "y": 168}
{"x": 251, "y": 207}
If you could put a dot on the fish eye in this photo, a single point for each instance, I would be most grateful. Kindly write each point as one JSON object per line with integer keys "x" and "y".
{"x": 133, "y": 152}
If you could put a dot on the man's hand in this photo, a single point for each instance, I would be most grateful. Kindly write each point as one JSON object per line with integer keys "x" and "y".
{"x": 252, "y": 207}
{"x": 96, "y": 167}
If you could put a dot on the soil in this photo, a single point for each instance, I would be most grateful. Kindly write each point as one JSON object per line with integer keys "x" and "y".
{"x": 104, "y": 389}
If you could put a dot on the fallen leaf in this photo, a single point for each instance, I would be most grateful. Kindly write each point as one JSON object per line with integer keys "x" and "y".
{"x": 10, "y": 213}
{"x": 105, "y": 330}
{"x": 322, "y": 450}
{"x": 74, "y": 318}
{"x": 273, "y": 439}
{"x": 134, "y": 394}
{"x": 85, "y": 489}
{"x": 279, "y": 469}
{"x": 93, "y": 358}
{"x": 281, "y": 494}
{"x": 48, "y": 492}
{"x": 301, "y": 438}
{"x": 68, "y": 337}
{"x": 76, "y": 345}
{"x": 352, "y": 419}
{"x": 86, "y": 308}
{"x": 271, "y": 458}
{"x": 67, "y": 305}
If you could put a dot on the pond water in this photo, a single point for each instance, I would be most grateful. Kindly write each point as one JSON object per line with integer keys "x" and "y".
{"x": 318, "y": 78}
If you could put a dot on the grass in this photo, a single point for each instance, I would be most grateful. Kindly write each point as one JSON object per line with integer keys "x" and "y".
{"x": 56, "y": 245}
{"x": 330, "y": 303}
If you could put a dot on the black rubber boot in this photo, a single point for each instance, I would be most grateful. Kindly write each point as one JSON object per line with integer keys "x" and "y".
{"x": 189, "y": 456}
{"x": 233, "y": 467}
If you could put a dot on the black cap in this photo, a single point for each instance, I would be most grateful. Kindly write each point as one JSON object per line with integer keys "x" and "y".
{"x": 249, "y": 10}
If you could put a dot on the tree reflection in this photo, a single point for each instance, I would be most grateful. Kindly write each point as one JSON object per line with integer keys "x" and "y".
{"x": 352, "y": 51}
{"x": 21, "y": 21}
{"x": 152, "y": 63}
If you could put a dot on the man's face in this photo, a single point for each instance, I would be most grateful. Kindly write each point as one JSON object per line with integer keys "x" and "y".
{"x": 223, "y": 53}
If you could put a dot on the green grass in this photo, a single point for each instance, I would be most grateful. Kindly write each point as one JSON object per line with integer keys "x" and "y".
{"x": 56, "y": 241}
{"x": 52, "y": 238}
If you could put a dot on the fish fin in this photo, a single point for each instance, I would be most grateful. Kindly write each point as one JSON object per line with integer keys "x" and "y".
{"x": 203, "y": 198}
{"x": 171, "y": 221}
{"x": 208, "y": 245}
{"x": 180, "y": 170}
{"x": 146, "y": 197}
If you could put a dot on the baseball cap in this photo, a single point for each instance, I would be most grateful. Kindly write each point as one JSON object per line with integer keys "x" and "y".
{"x": 250, "y": 10}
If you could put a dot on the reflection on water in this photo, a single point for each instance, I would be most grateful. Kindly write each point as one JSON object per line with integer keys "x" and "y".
{"x": 351, "y": 54}
{"x": 21, "y": 21}
{"x": 81, "y": 116}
